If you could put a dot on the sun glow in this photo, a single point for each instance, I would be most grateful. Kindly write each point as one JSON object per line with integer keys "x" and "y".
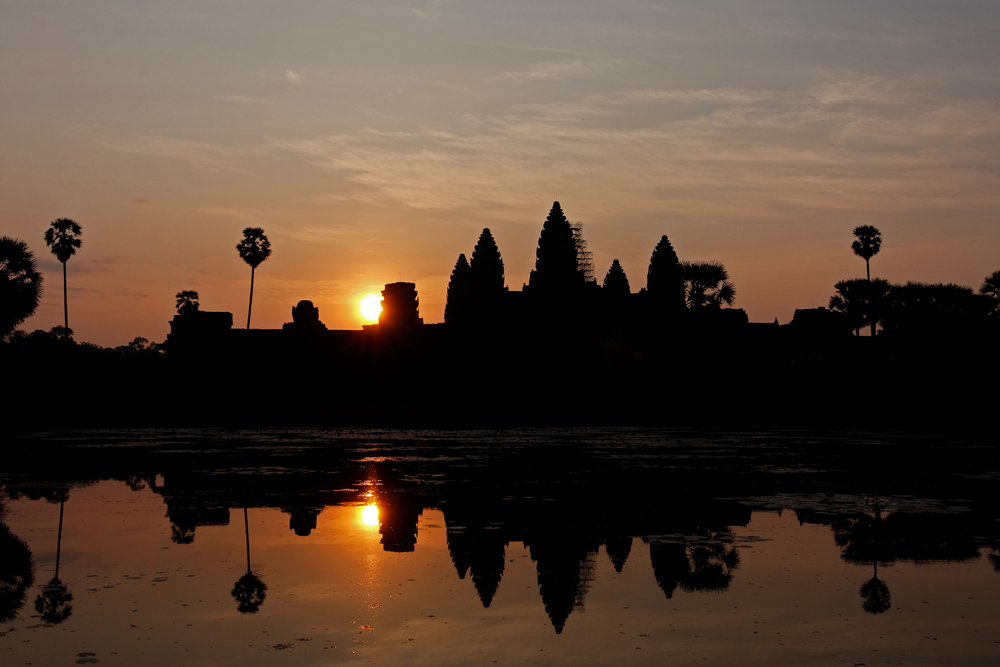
{"x": 369, "y": 515}
{"x": 371, "y": 307}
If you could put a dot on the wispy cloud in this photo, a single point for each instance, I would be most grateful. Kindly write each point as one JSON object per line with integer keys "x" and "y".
{"x": 241, "y": 99}
{"x": 316, "y": 234}
{"x": 559, "y": 70}
{"x": 214, "y": 157}
{"x": 244, "y": 215}
{"x": 81, "y": 266}
{"x": 862, "y": 143}
{"x": 295, "y": 77}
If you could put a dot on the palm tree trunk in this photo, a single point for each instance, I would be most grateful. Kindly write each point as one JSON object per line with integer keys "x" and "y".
{"x": 59, "y": 538}
{"x": 65, "y": 300}
{"x": 250, "y": 307}
{"x": 868, "y": 270}
{"x": 246, "y": 525}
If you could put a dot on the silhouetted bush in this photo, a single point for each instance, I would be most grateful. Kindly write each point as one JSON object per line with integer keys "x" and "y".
{"x": 921, "y": 310}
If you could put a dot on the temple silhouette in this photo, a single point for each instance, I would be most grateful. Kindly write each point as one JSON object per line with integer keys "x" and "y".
{"x": 562, "y": 328}
{"x": 572, "y": 345}
{"x": 561, "y": 294}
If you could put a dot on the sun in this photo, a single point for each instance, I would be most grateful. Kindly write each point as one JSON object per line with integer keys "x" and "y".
{"x": 371, "y": 307}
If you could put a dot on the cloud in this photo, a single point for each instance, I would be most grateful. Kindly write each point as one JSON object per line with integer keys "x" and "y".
{"x": 244, "y": 215}
{"x": 294, "y": 77}
{"x": 82, "y": 266}
{"x": 559, "y": 70}
{"x": 240, "y": 99}
{"x": 213, "y": 157}
{"x": 419, "y": 14}
{"x": 316, "y": 234}
{"x": 863, "y": 143}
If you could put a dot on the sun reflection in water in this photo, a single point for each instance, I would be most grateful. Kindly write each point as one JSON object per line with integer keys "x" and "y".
{"x": 369, "y": 516}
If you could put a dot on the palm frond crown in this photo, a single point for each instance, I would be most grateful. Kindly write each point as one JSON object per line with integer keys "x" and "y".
{"x": 63, "y": 237}
{"x": 868, "y": 241}
{"x": 254, "y": 247}
{"x": 20, "y": 284}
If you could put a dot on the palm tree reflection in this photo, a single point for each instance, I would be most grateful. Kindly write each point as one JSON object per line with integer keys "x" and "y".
{"x": 53, "y": 603}
{"x": 876, "y": 594}
{"x": 249, "y": 590}
{"x": 693, "y": 565}
{"x": 868, "y": 538}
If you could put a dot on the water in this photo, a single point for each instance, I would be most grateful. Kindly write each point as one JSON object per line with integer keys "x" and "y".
{"x": 526, "y": 548}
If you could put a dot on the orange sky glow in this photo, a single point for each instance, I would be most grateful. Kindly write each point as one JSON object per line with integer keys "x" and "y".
{"x": 374, "y": 141}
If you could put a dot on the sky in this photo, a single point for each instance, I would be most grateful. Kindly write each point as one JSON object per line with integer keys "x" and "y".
{"x": 373, "y": 141}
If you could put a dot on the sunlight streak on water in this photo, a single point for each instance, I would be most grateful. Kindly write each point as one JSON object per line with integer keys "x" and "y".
{"x": 369, "y": 516}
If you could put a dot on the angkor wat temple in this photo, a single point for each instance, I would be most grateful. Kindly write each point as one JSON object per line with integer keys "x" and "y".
{"x": 561, "y": 346}
{"x": 560, "y": 298}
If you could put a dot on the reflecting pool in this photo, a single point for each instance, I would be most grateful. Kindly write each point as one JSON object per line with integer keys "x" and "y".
{"x": 521, "y": 548}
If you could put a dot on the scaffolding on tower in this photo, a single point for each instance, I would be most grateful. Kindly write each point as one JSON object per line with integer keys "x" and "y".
{"x": 584, "y": 258}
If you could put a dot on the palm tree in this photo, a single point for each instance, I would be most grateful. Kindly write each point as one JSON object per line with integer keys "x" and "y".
{"x": 20, "y": 284}
{"x": 254, "y": 248}
{"x": 63, "y": 236}
{"x": 877, "y": 300}
{"x": 851, "y": 300}
{"x": 187, "y": 302}
{"x": 867, "y": 245}
{"x": 706, "y": 284}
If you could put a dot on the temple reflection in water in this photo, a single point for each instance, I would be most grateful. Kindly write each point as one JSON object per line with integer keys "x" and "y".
{"x": 691, "y": 543}
{"x": 390, "y": 530}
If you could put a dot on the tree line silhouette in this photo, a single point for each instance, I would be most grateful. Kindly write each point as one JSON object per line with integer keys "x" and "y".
{"x": 910, "y": 309}
{"x": 477, "y": 287}
{"x": 680, "y": 336}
